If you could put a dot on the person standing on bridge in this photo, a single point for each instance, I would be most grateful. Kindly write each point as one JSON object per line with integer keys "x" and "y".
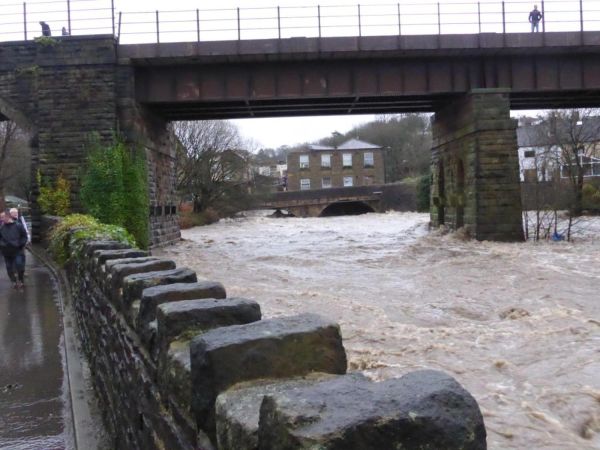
{"x": 534, "y": 17}
{"x": 45, "y": 29}
{"x": 13, "y": 239}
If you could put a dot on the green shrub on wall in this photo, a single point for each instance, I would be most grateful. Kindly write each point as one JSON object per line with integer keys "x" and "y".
{"x": 77, "y": 229}
{"x": 114, "y": 186}
{"x": 54, "y": 200}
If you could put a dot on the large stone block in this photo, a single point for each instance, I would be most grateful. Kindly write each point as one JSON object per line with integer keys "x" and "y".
{"x": 154, "y": 296}
{"x": 185, "y": 319}
{"x": 122, "y": 268}
{"x": 421, "y": 410}
{"x": 134, "y": 285}
{"x": 157, "y": 295}
{"x": 237, "y": 411}
{"x": 91, "y": 247}
{"x": 101, "y": 256}
{"x": 275, "y": 348}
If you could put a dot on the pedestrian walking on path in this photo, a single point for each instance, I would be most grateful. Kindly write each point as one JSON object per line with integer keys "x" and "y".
{"x": 13, "y": 239}
{"x": 534, "y": 17}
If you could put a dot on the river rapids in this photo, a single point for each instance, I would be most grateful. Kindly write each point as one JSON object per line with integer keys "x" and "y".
{"x": 518, "y": 325}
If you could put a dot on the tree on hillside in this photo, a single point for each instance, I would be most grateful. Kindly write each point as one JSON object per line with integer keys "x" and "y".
{"x": 211, "y": 165}
{"x": 571, "y": 138}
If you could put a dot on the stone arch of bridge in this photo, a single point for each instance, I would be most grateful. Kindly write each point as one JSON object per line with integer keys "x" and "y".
{"x": 30, "y": 129}
{"x": 9, "y": 112}
{"x": 346, "y": 209}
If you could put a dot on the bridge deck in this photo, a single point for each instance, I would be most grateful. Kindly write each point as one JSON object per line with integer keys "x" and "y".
{"x": 359, "y": 75}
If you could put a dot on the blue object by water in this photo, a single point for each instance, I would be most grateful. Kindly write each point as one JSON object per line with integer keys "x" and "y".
{"x": 558, "y": 237}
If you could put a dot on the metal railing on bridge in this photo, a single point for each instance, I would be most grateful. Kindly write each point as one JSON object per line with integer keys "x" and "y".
{"x": 78, "y": 17}
{"x": 99, "y": 16}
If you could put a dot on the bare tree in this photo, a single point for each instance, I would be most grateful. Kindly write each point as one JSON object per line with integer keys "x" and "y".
{"x": 15, "y": 161}
{"x": 571, "y": 139}
{"x": 212, "y": 161}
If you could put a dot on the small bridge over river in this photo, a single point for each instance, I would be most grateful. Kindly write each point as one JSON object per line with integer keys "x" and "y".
{"x": 343, "y": 201}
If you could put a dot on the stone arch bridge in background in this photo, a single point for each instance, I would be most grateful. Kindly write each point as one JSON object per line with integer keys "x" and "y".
{"x": 343, "y": 200}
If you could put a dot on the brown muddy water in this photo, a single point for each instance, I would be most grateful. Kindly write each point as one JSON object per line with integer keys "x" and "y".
{"x": 33, "y": 400}
{"x": 517, "y": 324}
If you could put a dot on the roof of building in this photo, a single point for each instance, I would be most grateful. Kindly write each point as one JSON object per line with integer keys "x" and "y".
{"x": 535, "y": 134}
{"x": 320, "y": 147}
{"x": 357, "y": 144}
{"x": 350, "y": 144}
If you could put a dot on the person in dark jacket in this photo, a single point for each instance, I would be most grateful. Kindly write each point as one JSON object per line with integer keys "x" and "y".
{"x": 534, "y": 17}
{"x": 13, "y": 239}
{"x": 45, "y": 29}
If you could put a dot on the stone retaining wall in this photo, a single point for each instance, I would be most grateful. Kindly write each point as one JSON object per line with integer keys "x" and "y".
{"x": 179, "y": 365}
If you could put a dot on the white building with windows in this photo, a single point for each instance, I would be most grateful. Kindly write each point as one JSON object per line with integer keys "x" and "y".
{"x": 541, "y": 161}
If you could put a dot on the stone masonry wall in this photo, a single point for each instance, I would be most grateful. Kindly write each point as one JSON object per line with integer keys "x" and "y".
{"x": 60, "y": 93}
{"x": 179, "y": 365}
{"x": 475, "y": 167}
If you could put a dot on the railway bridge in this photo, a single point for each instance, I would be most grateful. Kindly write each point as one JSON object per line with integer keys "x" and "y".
{"x": 60, "y": 91}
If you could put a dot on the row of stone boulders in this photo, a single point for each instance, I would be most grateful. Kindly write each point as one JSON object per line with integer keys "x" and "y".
{"x": 228, "y": 379}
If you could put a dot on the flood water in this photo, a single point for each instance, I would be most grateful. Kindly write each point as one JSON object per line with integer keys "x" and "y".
{"x": 33, "y": 405}
{"x": 517, "y": 324}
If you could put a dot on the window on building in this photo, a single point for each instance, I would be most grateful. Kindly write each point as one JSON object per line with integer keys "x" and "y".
{"x": 326, "y": 182}
{"x": 305, "y": 184}
{"x": 347, "y": 159}
{"x": 325, "y": 160}
{"x": 348, "y": 181}
{"x": 529, "y": 153}
{"x": 303, "y": 161}
{"x": 368, "y": 181}
{"x": 369, "y": 161}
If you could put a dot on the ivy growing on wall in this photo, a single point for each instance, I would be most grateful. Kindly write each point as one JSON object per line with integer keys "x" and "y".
{"x": 114, "y": 187}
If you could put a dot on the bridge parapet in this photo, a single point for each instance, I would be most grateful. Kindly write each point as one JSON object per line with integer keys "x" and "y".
{"x": 179, "y": 365}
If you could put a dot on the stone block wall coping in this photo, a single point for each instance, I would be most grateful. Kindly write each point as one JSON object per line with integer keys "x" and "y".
{"x": 192, "y": 368}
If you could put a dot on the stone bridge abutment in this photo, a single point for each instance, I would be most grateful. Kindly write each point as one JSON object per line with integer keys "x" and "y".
{"x": 475, "y": 167}
{"x": 60, "y": 91}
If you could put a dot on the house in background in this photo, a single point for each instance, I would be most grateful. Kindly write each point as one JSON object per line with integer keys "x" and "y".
{"x": 277, "y": 172}
{"x": 353, "y": 163}
{"x": 540, "y": 162}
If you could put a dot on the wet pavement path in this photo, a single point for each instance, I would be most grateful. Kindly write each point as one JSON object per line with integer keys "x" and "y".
{"x": 33, "y": 399}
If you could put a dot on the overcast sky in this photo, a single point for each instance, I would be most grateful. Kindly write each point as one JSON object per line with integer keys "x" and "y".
{"x": 259, "y": 20}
